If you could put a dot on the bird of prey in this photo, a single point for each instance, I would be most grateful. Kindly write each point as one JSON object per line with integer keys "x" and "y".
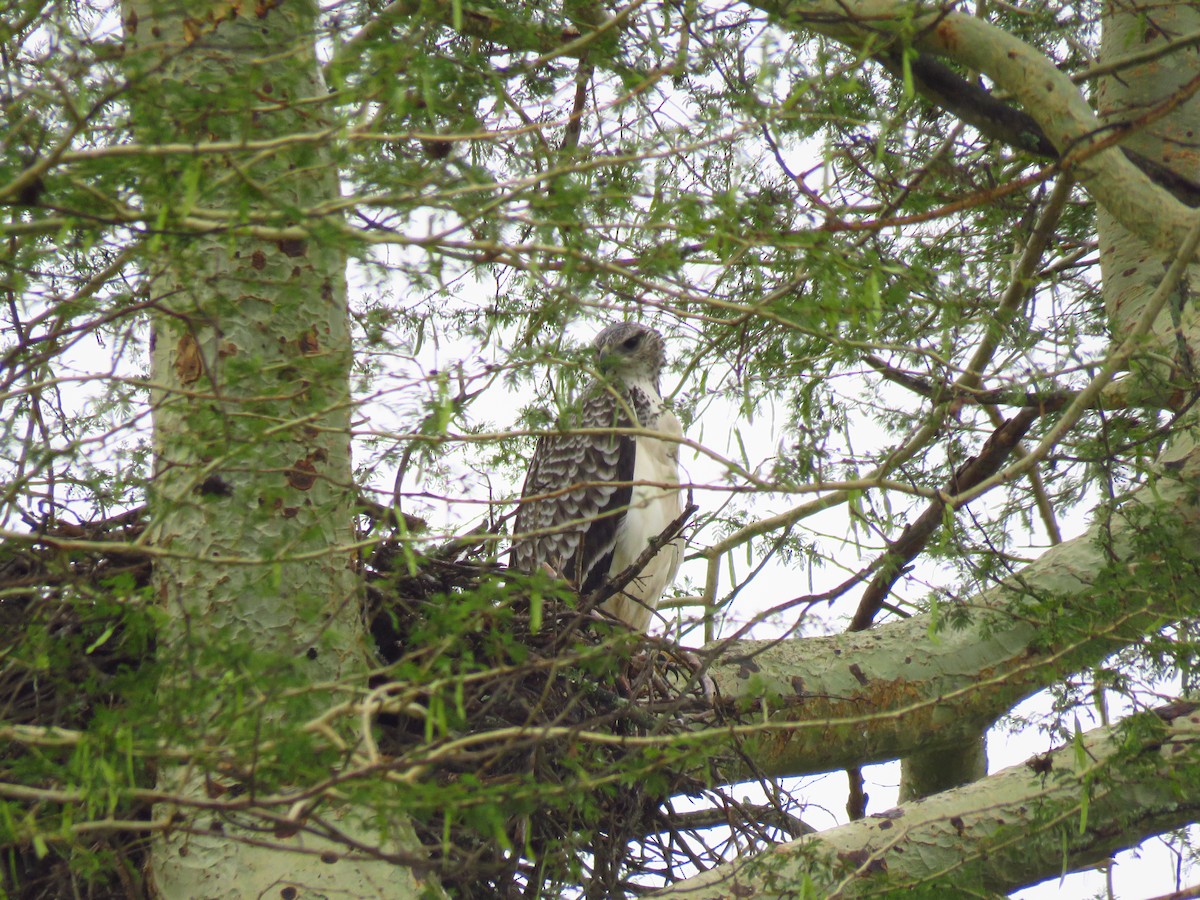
{"x": 592, "y": 503}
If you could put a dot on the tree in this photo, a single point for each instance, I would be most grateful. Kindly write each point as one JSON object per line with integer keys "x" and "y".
{"x": 933, "y": 261}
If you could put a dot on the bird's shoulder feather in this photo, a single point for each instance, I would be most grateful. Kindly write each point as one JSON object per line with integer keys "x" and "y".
{"x": 576, "y": 491}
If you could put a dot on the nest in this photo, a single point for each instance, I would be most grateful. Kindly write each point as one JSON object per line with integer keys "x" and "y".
{"x": 542, "y": 704}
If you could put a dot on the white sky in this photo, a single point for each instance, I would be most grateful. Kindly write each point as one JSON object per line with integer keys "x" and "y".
{"x": 1142, "y": 873}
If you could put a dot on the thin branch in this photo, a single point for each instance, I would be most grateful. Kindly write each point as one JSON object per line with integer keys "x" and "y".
{"x": 1116, "y": 360}
{"x": 1187, "y": 893}
{"x": 622, "y": 580}
{"x": 1084, "y": 142}
{"x": 764, "y": 813}
{"x": 996, "y": 119}
{"x": 916, "y": 535}
{"x": 1040, "y": 498}
{"x": 1019, "y": 285}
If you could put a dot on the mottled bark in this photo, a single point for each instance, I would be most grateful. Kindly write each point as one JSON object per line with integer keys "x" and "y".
{"x": 1074, "y": 806}
{"x": 252, "y": 493}
{"x": 968, "y": 676}
{"x": 913, "y": 685}
{"x": 1130, "y": 263}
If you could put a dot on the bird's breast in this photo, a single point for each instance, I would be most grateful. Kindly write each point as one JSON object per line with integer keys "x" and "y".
{"x": 654, "y": 505}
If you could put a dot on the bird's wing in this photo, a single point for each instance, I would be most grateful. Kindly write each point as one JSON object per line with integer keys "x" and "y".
{"x": 575, "y": 496}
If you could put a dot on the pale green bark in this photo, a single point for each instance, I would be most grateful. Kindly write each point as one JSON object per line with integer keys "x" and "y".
{"x": 1130, "y": 265}
{"x": 253, "y": 492}
{"x": 917, "y": 691}
{"x": 933, "y": 771}
{"x": 1021, "y": 72}
{"x": 1024, "y": 824}
{"x": 909, "y": 686}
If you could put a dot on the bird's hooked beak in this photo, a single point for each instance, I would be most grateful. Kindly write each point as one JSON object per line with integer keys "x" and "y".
{"x": 607, "y": 362}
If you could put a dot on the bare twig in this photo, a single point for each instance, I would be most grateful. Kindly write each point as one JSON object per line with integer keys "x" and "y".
{"x": 916, "y": 535}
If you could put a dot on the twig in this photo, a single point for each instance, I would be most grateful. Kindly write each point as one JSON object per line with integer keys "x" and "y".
{"x": 917, "y": 534}
{"x": 1113, "y": 363}
{"x": 622, "y": 580}
{"x": 1040, "y": 498}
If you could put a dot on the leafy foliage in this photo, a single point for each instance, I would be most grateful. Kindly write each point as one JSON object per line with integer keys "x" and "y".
{"x": 827, "y": 249}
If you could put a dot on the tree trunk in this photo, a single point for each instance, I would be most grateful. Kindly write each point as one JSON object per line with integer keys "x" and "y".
{"x": 252, "y": 504}
{"x": 1131, "y": 267}
{"x": 934, "y": 771}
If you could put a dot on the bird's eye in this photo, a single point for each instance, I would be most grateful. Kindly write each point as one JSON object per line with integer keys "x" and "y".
{"x": 631, "y": 343}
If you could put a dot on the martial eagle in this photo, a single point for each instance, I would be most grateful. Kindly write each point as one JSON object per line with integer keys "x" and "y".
{"x": 592, "y": 503}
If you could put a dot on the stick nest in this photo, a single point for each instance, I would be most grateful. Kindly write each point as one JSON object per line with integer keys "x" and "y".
{"x": 545, "y": 740}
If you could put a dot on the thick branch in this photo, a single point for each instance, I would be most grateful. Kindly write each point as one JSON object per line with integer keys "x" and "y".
{"x": 995, "y": 119}
{"x": 971, "y": 103}
{"x": 496, "y": 24}
{"x": 1081, "y": 140}
{"x": 828, "y": 702}
{"x": 1005, "y": 832}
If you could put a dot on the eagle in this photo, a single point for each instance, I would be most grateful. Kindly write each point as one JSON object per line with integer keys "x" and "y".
{"x": 592, "y": 503}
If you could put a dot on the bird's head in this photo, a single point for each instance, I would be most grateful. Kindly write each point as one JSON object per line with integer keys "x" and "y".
{"x": 630, "y": 352}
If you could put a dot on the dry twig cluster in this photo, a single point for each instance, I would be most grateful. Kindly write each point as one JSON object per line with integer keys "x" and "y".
{"x": 550, "y": 769}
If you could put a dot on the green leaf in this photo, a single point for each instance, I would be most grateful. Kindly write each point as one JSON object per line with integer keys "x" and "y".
{"x": 906, "y": 58}
{"x": 535, "y": 611}
{"x": 872, "y": 298}
{"x": 1084, "y": 802}
{"x": 100, "y": 641}
{"x": 737, "y": 433}
{"x": 1079, "y": 751}
{"x": 1081, "y": 761}
{"x": 190, "y": 183}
